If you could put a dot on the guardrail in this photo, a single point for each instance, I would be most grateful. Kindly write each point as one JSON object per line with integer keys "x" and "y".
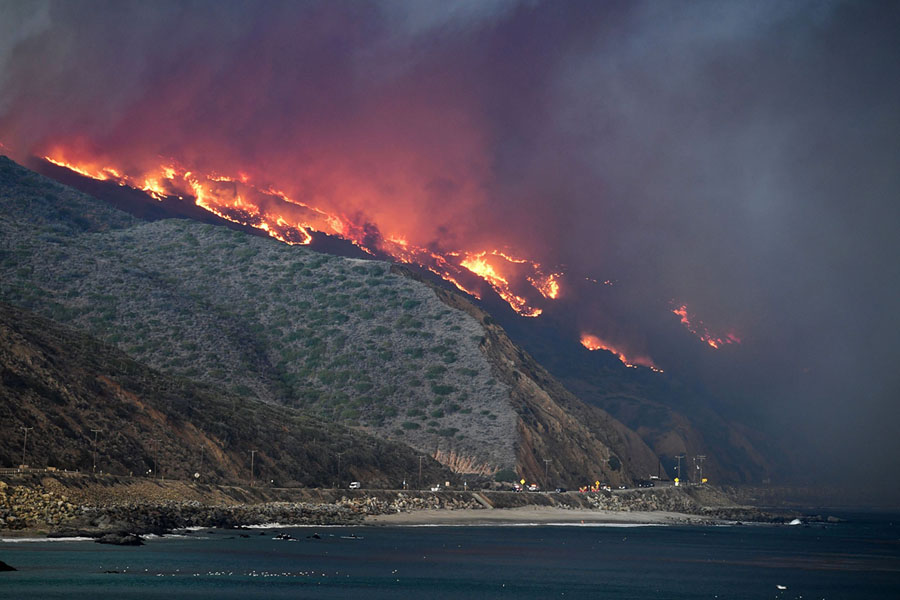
{"x": 20, "y": 471}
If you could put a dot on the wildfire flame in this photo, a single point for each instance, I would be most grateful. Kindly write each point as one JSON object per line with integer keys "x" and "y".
{"x": 267, "y": 208}
{"x": 100, "y": 173}
{"x": 547, "y": 286}
{"x": 481, "y": 265}
{"x": 700, "y": 330}
{"x": 592, "y": 342}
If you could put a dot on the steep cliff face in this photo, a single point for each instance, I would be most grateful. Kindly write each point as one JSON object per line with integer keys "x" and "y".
{"x": 560, "y": 440}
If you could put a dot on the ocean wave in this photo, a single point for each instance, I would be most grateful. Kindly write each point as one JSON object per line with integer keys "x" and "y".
{"x": 44, "y": 539}
{"x": 533, "y": 524}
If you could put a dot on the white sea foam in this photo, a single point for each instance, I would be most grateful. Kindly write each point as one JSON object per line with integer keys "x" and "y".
{"x": 291, "y": 526}
{"x": 44, "y": 539}
{"x": 560, "y": 524}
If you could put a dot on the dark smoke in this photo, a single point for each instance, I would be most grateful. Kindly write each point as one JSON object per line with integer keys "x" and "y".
{"x": 742, "y": 158}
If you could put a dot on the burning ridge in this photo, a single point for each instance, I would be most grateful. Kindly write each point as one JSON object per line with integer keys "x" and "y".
{"x": 520, "y": 282}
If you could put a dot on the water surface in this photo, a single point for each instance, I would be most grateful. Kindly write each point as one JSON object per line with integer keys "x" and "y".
{"x": 857, "y": 559}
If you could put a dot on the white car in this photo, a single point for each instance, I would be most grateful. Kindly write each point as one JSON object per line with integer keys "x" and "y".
{"x": 435, "y": 488}
{"x": 354, "y": 485}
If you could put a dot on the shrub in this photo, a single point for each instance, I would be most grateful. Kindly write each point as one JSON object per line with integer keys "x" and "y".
{"x": 505, "y": 475}
{"x": 435, "y": 371}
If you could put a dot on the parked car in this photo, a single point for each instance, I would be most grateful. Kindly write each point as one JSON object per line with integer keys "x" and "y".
{"x": 533, "y": 487}
{"x": 354, "y": 485}
{"x": 560, "y": 490}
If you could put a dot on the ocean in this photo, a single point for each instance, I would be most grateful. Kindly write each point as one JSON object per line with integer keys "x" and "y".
{"x": 859, "y": 558}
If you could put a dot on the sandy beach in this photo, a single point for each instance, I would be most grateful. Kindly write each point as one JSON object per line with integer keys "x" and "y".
{"x": 533, "y": 514}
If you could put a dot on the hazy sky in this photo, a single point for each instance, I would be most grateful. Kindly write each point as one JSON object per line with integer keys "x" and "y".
{"x": 740, "y": 157}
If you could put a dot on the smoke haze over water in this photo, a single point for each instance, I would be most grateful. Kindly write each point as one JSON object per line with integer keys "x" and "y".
{"x": 741, "y": 158}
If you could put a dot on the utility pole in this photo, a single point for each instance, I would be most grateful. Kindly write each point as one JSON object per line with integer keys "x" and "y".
{"x": 678, "y": 468}
{"x": 252, "y": 456}
{"x": 546, "y": 471}
{"x": 421, "y": 458}
{"x": 155, "y": 457}
{"x": 25, "y": 443}
{"x": 698, "y": 460}
{"x": 96, "y": 431}
{"x": 339, "y": 455}
{"x": 200, "y": 470}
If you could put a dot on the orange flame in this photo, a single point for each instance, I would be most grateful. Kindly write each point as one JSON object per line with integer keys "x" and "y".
{"x": 548, "y": 286}
{"x": 592, "y": 342}
{"x": 100, "y": 173}
{"x": 702, "y": 332}
{"x": 479, "y": 264}
{"x": 237, "y": 199}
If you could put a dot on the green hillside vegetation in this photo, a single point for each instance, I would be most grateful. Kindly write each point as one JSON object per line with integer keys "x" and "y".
{"x": 63, "y": 385}
{"x": 343, "y": 339}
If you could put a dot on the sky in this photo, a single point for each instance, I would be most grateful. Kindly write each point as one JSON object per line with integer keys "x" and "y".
{"x": 738, "y": 158}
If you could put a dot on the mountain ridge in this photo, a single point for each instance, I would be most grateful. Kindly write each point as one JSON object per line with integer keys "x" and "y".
{"x": 345, "y": 339}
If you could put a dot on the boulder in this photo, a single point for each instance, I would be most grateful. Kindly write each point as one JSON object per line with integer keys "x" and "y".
{"x": 120, "y": 539}
{"x": 6, "y": 567}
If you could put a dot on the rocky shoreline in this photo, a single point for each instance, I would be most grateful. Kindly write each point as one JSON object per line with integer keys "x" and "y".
{"x": 120, "y": 512}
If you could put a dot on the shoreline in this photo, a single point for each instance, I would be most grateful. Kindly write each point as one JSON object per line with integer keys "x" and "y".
{"x": 519, "y": 516}
{"x": 119, "y": 510}
{"x": 536, "y": 515}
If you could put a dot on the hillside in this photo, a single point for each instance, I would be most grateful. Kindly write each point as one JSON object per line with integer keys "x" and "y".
{"x": 64, "y": 385}
{"x": 674, "y": 413}
{"x": 346, "y": 340}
